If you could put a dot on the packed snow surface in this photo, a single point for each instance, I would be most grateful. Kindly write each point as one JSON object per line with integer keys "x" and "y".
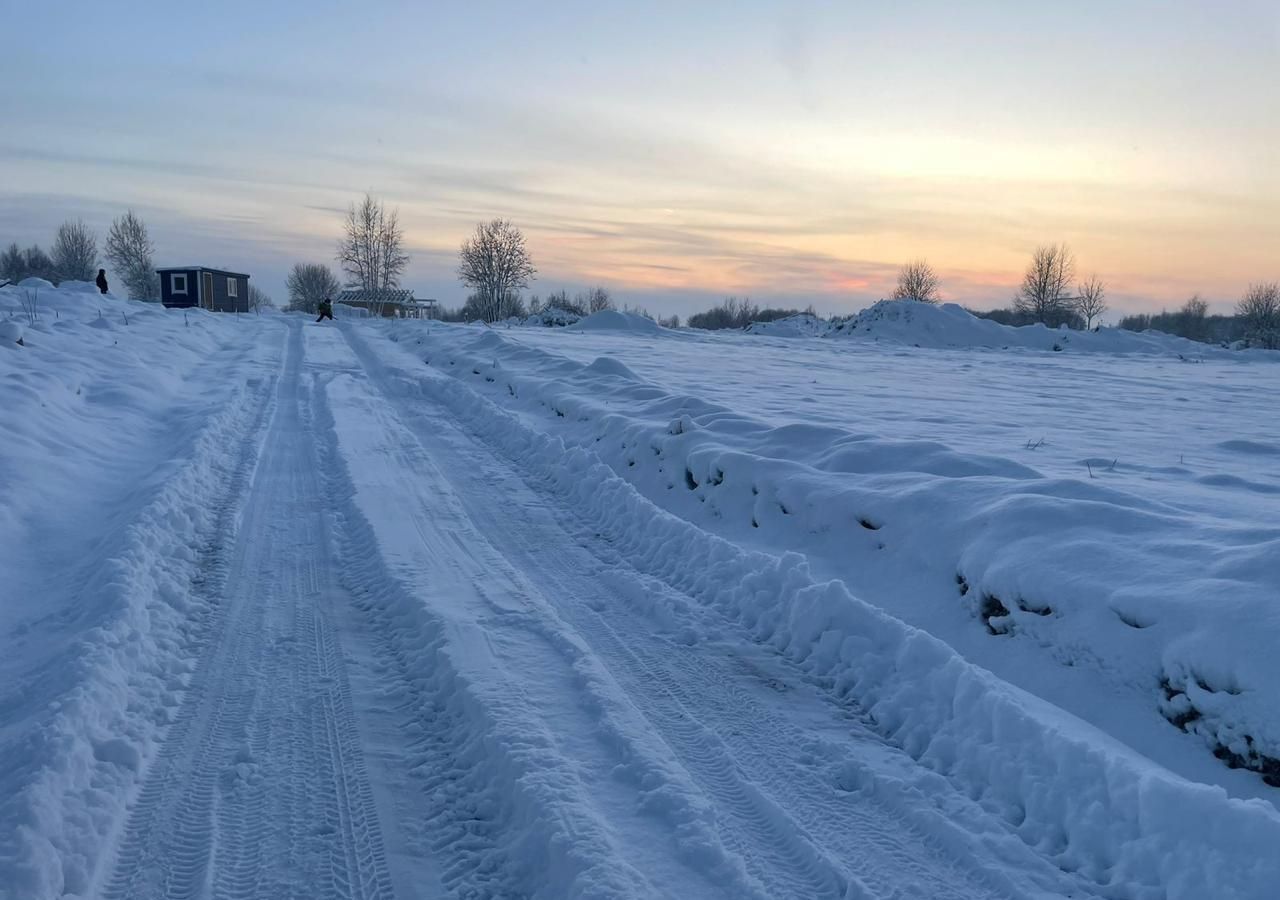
{"x": 391, "y": 609}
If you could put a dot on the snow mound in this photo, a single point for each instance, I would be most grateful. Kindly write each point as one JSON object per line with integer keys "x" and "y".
{"x": 613, "y": 320}
{"x": 79, "y": 287}
{"x": 607, "y": 365}
{"x": 948, "y": 325}
{"x": 67, "y": 299}
{"x": 803, "y": 325}
{"x": 11, "y": 331}
{"x": 34, "y": 282}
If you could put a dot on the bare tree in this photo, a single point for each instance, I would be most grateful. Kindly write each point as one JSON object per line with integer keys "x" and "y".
{"x": 1043, "y": 295}
{"x": 917, "y": 281}
{"x": 13, "y": 265}
{"x": 478, "y": 308}
{"x": 496, "y": 265}
{"x": 597, "y": 300}
{"x": 1091, "y": 300}
{"x": 371, "y": 251}
{"x": 130, "y": 250}
{"x": 75, "y": 252}
{"x": 1193, "y": 322}
{"x": 17, "y": 264}
{"x": 258, "y": 299}
{"x": 1260, "y": 311}
{"x": 308, "y": 284}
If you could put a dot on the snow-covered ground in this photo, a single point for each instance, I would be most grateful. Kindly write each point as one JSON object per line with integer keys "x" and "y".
{"x": 395, "y": 609}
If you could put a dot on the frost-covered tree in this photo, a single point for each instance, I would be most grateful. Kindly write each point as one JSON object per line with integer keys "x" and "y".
{"x": 75, "y": 252}
{"x": 130, "y": 250}
{"x": 1259, "y": 310}
{"x": 308, "y": 284}
{"x": 371, "y": 251}
{"x": 1091, "y": 300}
{"x": 496, "y": 265}
{"x": 1043, "y": 296}
{"x": 917, "y": 281}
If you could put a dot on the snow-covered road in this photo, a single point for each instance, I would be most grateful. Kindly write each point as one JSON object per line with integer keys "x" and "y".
{"x": 423, "y": 677}
{"x": 381, "y": 634}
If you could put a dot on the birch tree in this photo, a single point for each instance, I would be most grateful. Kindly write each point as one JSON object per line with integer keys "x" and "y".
{"x": 496, "y": 265}
{"x": 371, "y": 251}
{"x": 130, "y": 250}
{"x": 1043, "y": 295}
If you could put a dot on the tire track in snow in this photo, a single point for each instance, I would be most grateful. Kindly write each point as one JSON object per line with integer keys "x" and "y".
{"x": 534, "y": 781}
{"x": 260, "y": 789}
{"x": 797, "y": 833}
{"x": 803, "y": 835}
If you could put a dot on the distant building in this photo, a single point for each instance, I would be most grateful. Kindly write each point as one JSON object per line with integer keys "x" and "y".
{"x": 186, "y": 287}
{"x": 391, "y": 303}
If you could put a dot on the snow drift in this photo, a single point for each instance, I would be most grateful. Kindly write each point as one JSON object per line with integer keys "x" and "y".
{"x": 950, "y": 326}
{"x": 666, "y": 475}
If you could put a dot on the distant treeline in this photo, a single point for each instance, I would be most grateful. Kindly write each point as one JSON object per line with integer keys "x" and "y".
{"x": 739, "y": 313}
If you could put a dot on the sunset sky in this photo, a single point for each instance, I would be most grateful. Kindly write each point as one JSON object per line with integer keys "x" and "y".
{"x": 674, "y": 152}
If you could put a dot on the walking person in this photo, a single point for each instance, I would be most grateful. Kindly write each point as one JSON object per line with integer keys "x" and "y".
{"x": 326, "y": 310}
{"x": 101, "y": 280}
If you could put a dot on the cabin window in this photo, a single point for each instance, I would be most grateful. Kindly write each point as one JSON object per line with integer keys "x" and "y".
{"x": 178, "y": 283}
{"x": 233, "y": 288}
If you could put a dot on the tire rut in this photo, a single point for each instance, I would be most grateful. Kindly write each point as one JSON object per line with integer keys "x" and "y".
{"x": 260, "y": 789}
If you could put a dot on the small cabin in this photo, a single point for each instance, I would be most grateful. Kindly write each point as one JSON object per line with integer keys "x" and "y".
{"x": 187, "y": 287}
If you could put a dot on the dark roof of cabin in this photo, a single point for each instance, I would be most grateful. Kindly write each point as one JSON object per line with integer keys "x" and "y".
{"x": 201, "y": 269}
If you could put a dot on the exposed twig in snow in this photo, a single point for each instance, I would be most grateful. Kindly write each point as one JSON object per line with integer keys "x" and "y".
{"x": 31, "y": 304}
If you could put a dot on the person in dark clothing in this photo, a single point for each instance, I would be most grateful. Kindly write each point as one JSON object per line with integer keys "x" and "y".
{"x": 102, "y": 280}
{"x": 326, "y": 311}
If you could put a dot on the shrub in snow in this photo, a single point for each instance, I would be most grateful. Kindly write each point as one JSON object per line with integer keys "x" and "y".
{"x": 552, "y": 317}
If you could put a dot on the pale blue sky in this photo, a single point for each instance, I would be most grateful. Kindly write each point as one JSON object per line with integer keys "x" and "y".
{"x": 794, "y": 152}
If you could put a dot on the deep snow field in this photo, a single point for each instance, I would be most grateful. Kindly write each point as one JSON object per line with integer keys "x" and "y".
{"x": 401, "y": 609}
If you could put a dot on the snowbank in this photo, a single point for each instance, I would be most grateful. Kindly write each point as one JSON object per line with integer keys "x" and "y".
{"x": 121, "y": 426}
{"x": 949, "y": 325}
{"x": 803, "y": 325}
{"x": 1118, "y": 582}
{"x": 615, "y": 320}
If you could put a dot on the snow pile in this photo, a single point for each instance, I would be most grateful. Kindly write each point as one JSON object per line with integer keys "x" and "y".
{"x": 11, "y": 331}
{"x": 948, "y": 325}
{"x": 616, "y": 320}
{"x": 668, "y": 478}
{"x": 803, "y": 325}
{"x": 121, "y": 427}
